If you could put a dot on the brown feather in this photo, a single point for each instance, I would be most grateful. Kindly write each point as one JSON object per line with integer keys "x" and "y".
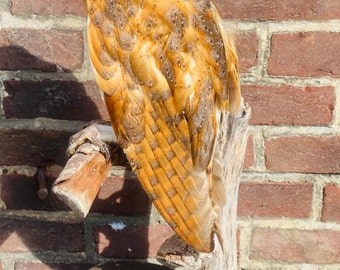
{"x": 167, "y": 70}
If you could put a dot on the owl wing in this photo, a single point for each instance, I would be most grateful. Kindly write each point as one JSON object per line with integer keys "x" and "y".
{"x": 164, "y": 68}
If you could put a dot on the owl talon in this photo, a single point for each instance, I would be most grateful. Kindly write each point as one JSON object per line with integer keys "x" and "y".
{"x": 88, "y": 135}
{"x": 104, "y": 149}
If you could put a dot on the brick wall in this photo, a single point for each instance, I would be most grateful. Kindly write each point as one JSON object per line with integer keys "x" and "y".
{"x": 289, "y": 200}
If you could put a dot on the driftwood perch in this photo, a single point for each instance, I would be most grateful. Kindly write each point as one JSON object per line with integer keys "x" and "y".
{"x": 79, "y": 182}
{"x": 85, "y": 171}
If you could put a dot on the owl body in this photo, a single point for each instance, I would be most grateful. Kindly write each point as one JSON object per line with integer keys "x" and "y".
{"x": 167, "y": 71}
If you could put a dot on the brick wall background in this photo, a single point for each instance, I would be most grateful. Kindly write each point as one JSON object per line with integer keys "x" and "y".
{"x": 289, "y": 200}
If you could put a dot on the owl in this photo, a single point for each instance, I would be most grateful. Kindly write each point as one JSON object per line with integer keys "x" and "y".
{"x": 168, "y": 73}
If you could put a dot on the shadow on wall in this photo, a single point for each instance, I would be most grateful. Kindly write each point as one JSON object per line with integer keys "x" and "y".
{"x": 32, "y": 99}
{"x": 48, "y": 236}
{"x": 124, "y": 238}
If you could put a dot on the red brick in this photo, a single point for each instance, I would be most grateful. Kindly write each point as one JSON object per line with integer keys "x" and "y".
{"x": 42, "y": 7}
{"x": 32, "y": 147}
{"x": 291, "y": 200}
{"x": 131, "y": 242}
{"x": 51, "y": 266}
{"x": 331, "y": 203}
{"x": 247, "y": 47}
{"x": 68, "y": 100}
{"x": 279, "y": 9}
{"x": 45, "y": 50}
{"x": 312, "y": 54}
{"x": 295, "y": 246}
{"x": 319, "y": 154}
{"x": 290, "y": 105}
{"x": 121, "y": 196}
{"x": 249, "y": 155}
{"x": 18, "y": 235}
{"x": 21, "y": 186}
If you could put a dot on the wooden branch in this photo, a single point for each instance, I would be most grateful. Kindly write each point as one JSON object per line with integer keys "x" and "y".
{"x": 79, "y": 182}
{"x": 93, "y": 151}
{"x": 177, "y": 255}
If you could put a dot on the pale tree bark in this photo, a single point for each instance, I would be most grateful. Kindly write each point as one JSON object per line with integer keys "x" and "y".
{"x": 85, "y": 171}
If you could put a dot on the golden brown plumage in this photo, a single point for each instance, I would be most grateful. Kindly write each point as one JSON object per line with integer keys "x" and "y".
{"x": 167, "y": 71}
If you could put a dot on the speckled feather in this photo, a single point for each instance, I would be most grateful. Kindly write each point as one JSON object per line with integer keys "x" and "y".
{"x": 167, "y": 71}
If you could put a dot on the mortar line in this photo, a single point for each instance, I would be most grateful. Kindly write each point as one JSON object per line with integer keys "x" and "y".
{"x": 336, "y": 111}
{"x": 285, "y": 26}
{"x": 306, "y": 224}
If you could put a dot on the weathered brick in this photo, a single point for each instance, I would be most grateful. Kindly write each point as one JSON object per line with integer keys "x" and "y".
{"x": 19, "y": 235}
{"x": 68, "y": 100}
{"x": 249, "y": 155}
{"x": 311, "y": 54}
{"x": 33, "y": 147}
{"x": 42, "y": 7}
{"x": 52, "y": 266}
{"x": 278, "y": 10}
{"x": 331, "y": 203}
{"x": 290, "y": 105}
{"x": 292, "y": 200}
{"x": 121, "y": 196}
{"x": 21, "y": 186}
{"x": 247, "y": 46}
{"x": 295, "y": 246}
{"x": 310, "y": 154}
{"x": 45, "y": 50}
{"x": 131, "y": 242}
